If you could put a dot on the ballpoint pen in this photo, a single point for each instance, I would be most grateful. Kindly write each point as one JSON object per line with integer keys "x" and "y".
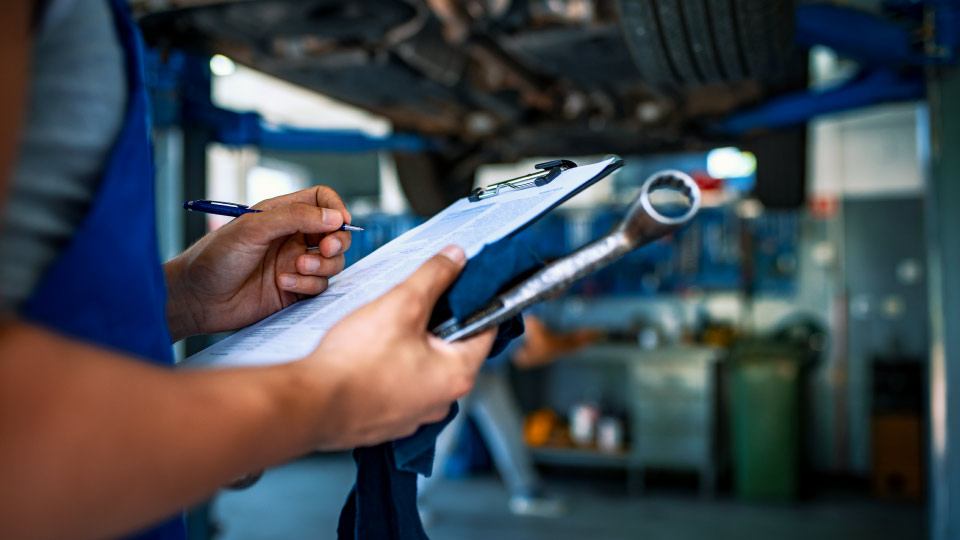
{"x": 229, "y": 209}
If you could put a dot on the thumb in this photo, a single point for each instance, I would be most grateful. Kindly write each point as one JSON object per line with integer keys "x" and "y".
{"x": 435, "y": 275}
{"x": 471, "y": 351}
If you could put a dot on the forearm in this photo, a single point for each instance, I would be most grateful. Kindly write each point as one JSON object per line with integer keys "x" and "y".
{"x": 109, "y": 444}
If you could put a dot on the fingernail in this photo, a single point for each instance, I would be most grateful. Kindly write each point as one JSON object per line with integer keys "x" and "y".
{"x": 287, "y": 281}
{"x": 455, "y": 254}
{"x": 337, "y": 244}
{"x": 311, "y": 264}
{"x": 332, "y": 217}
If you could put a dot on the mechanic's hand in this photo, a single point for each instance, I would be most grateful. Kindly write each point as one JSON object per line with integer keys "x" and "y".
{"x": 258, "y": 263}
{"x": 394, "y": 375}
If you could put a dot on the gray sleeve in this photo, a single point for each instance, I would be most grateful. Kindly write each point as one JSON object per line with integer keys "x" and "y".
{"x": 75, "y": 111}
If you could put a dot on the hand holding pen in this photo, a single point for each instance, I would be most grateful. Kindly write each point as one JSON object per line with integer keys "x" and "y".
{"x": 236, "y": 275}
{"x": 229, "y": 209}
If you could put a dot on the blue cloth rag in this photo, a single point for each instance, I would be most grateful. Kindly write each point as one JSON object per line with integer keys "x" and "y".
{"x": 383, "y": 502}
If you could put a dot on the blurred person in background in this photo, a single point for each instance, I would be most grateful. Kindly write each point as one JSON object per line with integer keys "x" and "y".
{"x": 100, "y": 438}
{"x": 498, "y": 417}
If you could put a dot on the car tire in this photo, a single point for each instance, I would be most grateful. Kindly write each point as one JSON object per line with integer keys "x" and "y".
{"x": 433, "y": 181}
{"x": 697, "y": 42}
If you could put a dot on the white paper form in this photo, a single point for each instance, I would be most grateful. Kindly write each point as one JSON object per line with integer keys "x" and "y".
{"x": 295, "y": 331}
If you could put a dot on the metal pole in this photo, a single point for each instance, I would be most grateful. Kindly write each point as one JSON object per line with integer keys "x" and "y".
{"x": 943, "y": 241}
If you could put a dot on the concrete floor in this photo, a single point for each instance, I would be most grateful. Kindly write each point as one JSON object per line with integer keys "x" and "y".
{"x": 302, "y": 501}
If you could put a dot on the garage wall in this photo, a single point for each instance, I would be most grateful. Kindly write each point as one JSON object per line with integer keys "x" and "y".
{"x": 870, "y": 153}
{"x": 867, "y": 177}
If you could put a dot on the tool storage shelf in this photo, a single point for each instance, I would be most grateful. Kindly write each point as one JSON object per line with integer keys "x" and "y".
{"x": 669, "y": 395}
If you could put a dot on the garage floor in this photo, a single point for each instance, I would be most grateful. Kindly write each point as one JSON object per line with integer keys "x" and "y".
{"x": 302, "y": 501}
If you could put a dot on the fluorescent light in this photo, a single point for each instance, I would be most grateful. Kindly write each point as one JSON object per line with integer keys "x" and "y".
{"x": 221, "y": 66}
{"x": 730, "y": 163}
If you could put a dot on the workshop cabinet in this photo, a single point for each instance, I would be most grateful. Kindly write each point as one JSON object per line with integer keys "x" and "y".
{"x": 673, "y": 412}
{"x": 667, "y": 393}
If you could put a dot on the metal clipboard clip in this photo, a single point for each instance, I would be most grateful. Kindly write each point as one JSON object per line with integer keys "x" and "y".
{"x": 546, "y": 172}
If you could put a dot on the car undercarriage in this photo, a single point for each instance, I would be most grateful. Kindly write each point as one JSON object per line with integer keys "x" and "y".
{"x": 498, "y": 80}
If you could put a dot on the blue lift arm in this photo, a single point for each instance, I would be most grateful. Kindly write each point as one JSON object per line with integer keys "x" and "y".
{"x": 892, "y": 54}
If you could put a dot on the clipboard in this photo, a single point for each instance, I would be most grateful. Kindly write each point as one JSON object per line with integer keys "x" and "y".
{"x": 486, "y": 216}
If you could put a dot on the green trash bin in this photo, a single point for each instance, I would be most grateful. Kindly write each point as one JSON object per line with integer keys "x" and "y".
{"x": 764, "y": 385}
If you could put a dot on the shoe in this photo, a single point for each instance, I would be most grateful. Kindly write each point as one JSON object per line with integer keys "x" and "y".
{"x": 537, "y": 505}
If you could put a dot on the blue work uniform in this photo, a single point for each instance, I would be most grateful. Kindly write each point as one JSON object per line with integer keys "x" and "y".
{"x": 107, "y": 286}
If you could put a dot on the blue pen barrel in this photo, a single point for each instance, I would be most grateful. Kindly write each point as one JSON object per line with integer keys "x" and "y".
{"x": 219, "y": 208}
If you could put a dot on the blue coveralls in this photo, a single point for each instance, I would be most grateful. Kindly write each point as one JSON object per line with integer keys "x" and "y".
{"x": 107, "y": 287}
